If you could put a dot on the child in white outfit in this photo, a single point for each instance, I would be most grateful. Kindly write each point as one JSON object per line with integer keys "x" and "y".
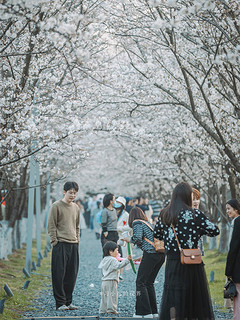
{"x": 111, "y": 271}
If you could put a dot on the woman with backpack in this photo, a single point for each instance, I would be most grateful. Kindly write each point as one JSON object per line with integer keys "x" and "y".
{"x": 146, "y": 304}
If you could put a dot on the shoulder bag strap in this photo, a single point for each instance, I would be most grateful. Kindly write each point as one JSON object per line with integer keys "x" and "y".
{"x": 149, "y": 241}
{"x": 144, "y": 222}
{"x": 176, "y": 237}
{"x": 144, "y": 238}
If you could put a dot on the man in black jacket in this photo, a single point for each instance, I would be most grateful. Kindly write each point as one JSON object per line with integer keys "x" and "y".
{"x": 233, "y": 259}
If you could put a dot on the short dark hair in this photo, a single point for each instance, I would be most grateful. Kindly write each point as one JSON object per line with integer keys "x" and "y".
{"x": 70, "y": 185}
{"x": 138, "y": 199}
{"x": 109, "y": 246}
{"x": 136, "y": 213}
{"x": 235, "y": 204}
{"x": 107, "y": 198}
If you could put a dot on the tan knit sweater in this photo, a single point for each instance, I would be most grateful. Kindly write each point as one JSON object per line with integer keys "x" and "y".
{"x": 64, "y": 223}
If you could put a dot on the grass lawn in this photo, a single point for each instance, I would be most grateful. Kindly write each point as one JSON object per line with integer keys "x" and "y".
{"x": 12, "y": 275}
{"x": 215, "y": 261}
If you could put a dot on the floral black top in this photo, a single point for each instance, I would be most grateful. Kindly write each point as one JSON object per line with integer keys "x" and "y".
{"x": 191, "y": 225}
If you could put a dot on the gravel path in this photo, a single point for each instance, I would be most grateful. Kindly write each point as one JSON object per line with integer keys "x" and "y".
{"x": 88, "y": 287}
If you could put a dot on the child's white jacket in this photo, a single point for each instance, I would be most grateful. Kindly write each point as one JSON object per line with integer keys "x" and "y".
{"x": 111, "y": 268}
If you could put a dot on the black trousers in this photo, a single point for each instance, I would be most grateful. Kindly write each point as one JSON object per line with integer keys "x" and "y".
{"x": 112, "y": 236}
{"x": 145, "y": 292}
{"x": 65, "y": 264}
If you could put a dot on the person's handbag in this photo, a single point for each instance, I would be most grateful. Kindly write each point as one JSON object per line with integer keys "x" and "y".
{"x": 188, "y": 256}
{"x": 230, "y": 290}
{"x": 157, "y": 244}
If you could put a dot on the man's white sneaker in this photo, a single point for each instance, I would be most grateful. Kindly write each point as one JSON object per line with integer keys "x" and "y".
{"x": 72, "y": 307}
{"x": 63, "y": 308}
{"x": 155, "y": 315}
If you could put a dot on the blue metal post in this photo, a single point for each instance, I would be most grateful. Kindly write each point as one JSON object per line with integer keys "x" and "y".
{"x": 34, "y": 173}
{"x": 26, "y": 284}
{"x": 2, "y": 305}
{"x": 211, "y": 276}
{"x": 38, "y": 211}
{"x": 30, "y": 215}
{"x": 8, "y": 290}
{"x": 47, "y": 207}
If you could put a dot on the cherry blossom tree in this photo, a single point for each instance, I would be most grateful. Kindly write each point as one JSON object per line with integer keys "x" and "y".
{"x": 123, "y": 96}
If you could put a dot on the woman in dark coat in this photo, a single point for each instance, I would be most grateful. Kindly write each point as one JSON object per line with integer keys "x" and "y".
{"x": 185, "y": 294}
{"x": 233, "y": 259}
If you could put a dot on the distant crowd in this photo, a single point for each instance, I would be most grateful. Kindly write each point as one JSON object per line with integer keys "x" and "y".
{"x": 90, "y": 207}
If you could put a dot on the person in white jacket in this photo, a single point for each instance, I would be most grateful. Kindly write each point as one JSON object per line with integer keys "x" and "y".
{"x": 111, "y": 271}
{"x": 123, "y": 228}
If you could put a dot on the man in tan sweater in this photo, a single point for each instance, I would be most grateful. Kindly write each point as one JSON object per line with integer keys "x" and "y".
{"x": 64, "y": 233}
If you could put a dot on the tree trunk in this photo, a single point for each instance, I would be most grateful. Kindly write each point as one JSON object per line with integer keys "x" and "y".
{"x": 231, "y": 181}
{"x": 1, "y": 213}
{"x": 9, "y": 204}
{"x": 13, "y": 238}
{"x": 212, "y": 243}
{"x": 18, "y": 235}
{"x": 224, "y": 237}
{"x": 19, "y": 199}
{"x": 224, "y": 234}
